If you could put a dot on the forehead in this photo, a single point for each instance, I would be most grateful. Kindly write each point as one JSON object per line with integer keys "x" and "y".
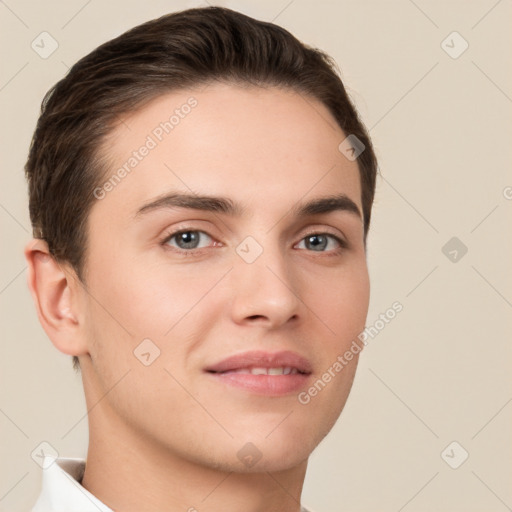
{"x": 261, "y": 146}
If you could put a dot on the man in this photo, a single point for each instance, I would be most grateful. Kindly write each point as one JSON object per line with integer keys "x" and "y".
{"x": 200, "y": 192}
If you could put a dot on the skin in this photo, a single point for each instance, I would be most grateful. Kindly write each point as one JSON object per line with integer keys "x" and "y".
{"x": 169, "y": 425}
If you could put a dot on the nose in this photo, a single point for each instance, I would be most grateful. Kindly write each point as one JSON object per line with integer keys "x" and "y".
{"x": 265, "y": 291}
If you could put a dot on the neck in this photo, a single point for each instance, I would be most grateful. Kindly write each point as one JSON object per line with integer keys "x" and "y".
{"x": 129, "y": 472}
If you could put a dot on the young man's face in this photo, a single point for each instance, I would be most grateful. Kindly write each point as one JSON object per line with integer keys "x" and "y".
{"x": 255, "y": 279}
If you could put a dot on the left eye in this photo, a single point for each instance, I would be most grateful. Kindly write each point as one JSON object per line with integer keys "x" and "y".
{"x": 320, "y": 242}
{"x": 188, "y": 239}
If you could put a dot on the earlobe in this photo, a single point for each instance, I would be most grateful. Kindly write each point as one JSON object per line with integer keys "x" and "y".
{"x": 55, "y": 293}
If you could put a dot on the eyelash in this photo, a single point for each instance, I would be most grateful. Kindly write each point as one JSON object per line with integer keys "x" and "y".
{"x": 195, "y": 252}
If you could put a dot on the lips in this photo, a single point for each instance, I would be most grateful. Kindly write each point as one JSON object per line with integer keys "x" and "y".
{"x": 263, "y": 373}
{"x": 261, "y": 363}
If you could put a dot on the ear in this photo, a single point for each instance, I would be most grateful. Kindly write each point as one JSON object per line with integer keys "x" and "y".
{"x": 56, "y": 292}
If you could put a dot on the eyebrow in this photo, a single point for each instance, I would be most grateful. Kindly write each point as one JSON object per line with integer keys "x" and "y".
{"x": 217, "y": 204}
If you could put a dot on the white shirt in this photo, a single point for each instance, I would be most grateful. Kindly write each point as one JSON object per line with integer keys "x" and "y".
{"x": 61, "y": 490}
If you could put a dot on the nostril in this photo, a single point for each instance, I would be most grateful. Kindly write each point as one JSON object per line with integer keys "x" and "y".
{"x": 255, "y": 317}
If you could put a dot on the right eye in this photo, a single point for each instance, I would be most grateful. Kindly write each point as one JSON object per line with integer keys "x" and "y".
{"x": 187, "y": 239}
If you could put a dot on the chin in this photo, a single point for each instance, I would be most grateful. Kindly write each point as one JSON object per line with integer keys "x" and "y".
{"x": 267, "y": 460}
{"x": 273, "y": 465}
{"x": 283, "y": 449}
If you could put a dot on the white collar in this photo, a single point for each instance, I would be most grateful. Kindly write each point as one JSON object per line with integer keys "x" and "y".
{"x": 61, "y": 490}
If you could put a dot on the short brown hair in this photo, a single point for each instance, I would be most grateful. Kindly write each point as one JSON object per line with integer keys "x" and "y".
{"x": 176, "y": 51}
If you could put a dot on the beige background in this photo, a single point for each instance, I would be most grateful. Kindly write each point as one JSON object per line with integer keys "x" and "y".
{"x": 440, "y": 371}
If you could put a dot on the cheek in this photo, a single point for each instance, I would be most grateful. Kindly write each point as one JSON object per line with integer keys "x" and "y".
{"x": 172, "y": 307}
{"x": 340, "y": 301}
{"x": 342, "y": 306}
{"x": 150, "y": 299}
